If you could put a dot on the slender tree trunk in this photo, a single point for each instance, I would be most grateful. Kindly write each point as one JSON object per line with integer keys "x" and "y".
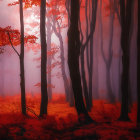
{"x": 119, "y": 79}
{"x": 88, "y": 93}
{"x": 92, "y": 26}
{"x": 73, "y": 59}
{"x": 66, "y": 83}
{"x": 130, "y": 99}
{"x": 95, "y": 71}
{"x": 125, "y": 36}
{"x": 87, "y": 4}
{"x": 84, "y": 82}
{"x": 22, "y": 77}
{"x": 108, "y": 60}
{"x": 68, "y": 2}
{"x": 91, "y": 69}
{"x": 85, "y": 88}
{"x": 109, "y": 87}
{"x": 68, "y": 90}
{"x": 44, "y": 95}
{"x": 138, "y": 66}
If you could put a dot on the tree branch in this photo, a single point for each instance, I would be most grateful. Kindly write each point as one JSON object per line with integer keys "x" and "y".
{"x": 12, "y": 44}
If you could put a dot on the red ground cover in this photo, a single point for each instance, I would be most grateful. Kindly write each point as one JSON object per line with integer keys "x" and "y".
{"x": 61, "y": 122}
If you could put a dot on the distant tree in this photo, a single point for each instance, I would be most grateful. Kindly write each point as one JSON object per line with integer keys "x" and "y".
{"x": 90, "y": 25}
{"x": 68, "y": 90}
{"x": 49, "y": 59}
{"x": 138, "y": 67}
{"x": 73, "y": 59}
{"x": 108, "y": 59}
{"x": 126, "y": 17}
{"x": 57, "y": 19}
{"x": 44, "y": 94}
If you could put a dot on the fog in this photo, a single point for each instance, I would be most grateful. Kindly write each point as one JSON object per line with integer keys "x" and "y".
{"x": 9, "y": 62}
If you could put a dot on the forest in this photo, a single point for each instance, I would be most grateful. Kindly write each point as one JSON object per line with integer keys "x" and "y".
{"x": 69, "y": 69}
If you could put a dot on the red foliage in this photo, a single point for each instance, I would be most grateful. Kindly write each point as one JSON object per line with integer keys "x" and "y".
{"x": 61, "y": 122}
{"x": 14, "y": 37}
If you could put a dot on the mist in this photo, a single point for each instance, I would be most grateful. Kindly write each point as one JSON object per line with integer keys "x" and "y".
{"x": 9, "y": 63}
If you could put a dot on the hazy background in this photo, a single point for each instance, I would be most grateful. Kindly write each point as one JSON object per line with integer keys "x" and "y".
{"x": 9, "y": 62}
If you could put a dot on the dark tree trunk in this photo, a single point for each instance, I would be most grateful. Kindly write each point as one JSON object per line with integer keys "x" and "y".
{"x": 119, "y": 79}
{"x": 138, "y": 66}
{"x": 21, "y": 57}
{"x": 71, "y": 98}
{"x": 44, "y": 95}
{"x": 84, "y": 82}
{"x": 73, "y": 59}
{"x": 92, "y": 26}
{"x": 88, "y": 92}
{"x": 126, "y": 15}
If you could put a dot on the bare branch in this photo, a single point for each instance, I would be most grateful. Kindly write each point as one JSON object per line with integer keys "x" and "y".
{"x": 12, "y": 44}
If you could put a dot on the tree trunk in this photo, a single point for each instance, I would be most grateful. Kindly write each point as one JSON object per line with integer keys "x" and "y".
{"x": 88, "y": 93}
{"x": 92, "y": 26}
{"x": 85, "y": 88}
{"x": 66, "y": 83}
{"x": 95, "y": 70}
{"x": 138, "y": 66}
{"x": 119, "y": 79}
{"x": 44, "y": 95}
{"x": 68, "y": 90}
{"x": 108, "y": 60}
{"x": 71, "y": 100}
{"x": 109, "y": 87}
{"x": 125, "y": 36}
{"x": 91, "y": 67}
{"x": 84, "y": 82}
{"x": 22, "y": 77}
{"x": 73, "y": 59}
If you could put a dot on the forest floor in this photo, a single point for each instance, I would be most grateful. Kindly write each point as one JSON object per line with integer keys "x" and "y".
{"x": 62, "y": 122}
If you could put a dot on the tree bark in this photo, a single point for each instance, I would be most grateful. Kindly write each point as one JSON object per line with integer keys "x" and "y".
{"x": 44, "y": 95}
{"x": 73, "y": 59}
{"x": 125, "y": 12}
{"x": 88, "y": 90}
{"x": 138, "y": 67}
{"x": 84, "y": 82}
{"x": 21, "y": 57}
{"x": 92, "y": 26}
